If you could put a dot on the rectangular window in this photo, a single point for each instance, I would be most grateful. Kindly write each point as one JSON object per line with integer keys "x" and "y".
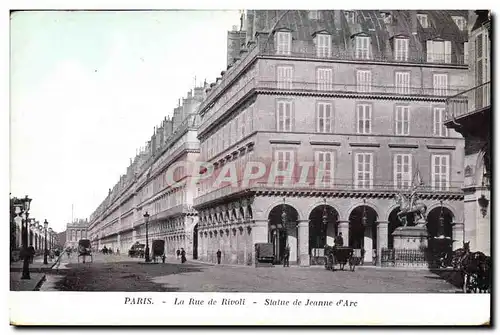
{"x": 364, "y": 80}
{"x": 325, "y": 117}
{"x": 403, "y": 82}
{"x": 402, "y": 120}
{"x": 323, "y": 45}
{"x": 401, "y": 49}
{"x": 324, "y": 79}
{"x": 364, "y": 119}
{"x": 285, "y": 76}
{"x": 284, "y": 160}
{"x": 243, "y": 124}
{"x": 439, "y": 128}
{"x": 324, "y": 164}
{"x": 439, "y": 51}
{"x": 440, "y": 81}
{"x": 363, "y": 175}
{"x": 284, "y": 116}
{"x": 402, "y": 171}
{"x": 362, "y": 47}
{"x": 422, "y": 18}
{"x": 284, "y": 43}
{"x": 236, "y": 129}
{"x": 440, "y": 179}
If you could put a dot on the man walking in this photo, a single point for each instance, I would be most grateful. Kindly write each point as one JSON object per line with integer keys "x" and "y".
{"x": 286, "y": 257}
{"x": 183, "y": 256}
{"x": 219, "y": 255}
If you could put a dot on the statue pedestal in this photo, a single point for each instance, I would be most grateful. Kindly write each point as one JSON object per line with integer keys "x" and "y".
{"x": 414, "y": 237}
{"x": 410, "y": 246}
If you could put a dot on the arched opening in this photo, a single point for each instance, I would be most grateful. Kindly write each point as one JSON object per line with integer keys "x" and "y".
{"x": 322, "y": 230}
{"x": 393, "y": 224}
{"x": 440, "y": 229}
{"x": 283, "y": 221}
{"x": 195, "y": 242}
{"x": 363, "y": 231}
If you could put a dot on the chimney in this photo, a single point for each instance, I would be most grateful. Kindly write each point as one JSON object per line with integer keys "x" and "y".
{"x": 413, "y": 22}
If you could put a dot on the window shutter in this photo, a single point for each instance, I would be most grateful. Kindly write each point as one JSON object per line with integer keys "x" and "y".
{"x": 430, "y": 51}
{"x": 466, "y": 52}
{"x": 447, "y": 51}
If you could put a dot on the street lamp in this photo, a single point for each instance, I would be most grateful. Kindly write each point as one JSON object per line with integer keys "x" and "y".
{"x": 26, "y": 265}
{"x": 441, "y": 221}
{"x": 364, "y": 219}
{"x": 51, "y": 238}
{"x": 325, "y": 216}
{"x": 45, "y": 226}
{"x": 146, "y": 219}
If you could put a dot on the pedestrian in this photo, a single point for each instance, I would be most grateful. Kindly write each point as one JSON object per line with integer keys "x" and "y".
{"x": 178, "y": 252}
{"x": 183, "y": 255}
{"x": 339, "y": 240}
{"x": 31, "y": 253}
{"x": 286, "y": 257}
{"x": 163, "y": 258}
{"x": 219, "y": 255}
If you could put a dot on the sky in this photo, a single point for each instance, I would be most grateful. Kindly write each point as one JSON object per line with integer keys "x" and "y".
{"x": 86, "y": 91}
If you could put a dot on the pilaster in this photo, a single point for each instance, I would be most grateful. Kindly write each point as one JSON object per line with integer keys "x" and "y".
{"x": 303, "y": 232}
{"x": 382, "y": 239}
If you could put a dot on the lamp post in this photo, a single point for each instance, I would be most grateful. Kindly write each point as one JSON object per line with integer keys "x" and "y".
{"x": 45, "y": 226}
{"x": 441, "y": 221}
{"x": 26, "y": 264}
{"x": 51, "y": 239}
{"x": 146, "y": 219}
{"x": 364, "y": 219}
{"x": 325, "y": 222}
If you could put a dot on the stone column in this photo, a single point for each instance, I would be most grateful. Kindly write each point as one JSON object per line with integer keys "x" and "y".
{"x": 119, "y": 243}
{"x": 344, "y": 229}
{"x": 382, "y": 239}
{"x": 458, "y": 235}
{"x": 368, "y": 244}
{"x": 303, "y": 242}
{"x": 259, "y": 235}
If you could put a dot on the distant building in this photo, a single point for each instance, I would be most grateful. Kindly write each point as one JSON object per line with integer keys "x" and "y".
{"x": 75, "y": 231}
{"x": 119, "y": 221}
{"x": 61, "y": 239}
{"x": 469, "y": 113}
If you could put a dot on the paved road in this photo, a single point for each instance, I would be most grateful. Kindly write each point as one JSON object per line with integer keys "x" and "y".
{"x": 120, "y": 273}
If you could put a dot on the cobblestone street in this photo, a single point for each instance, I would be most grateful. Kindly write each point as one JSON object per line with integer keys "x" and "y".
{"x": 121, "y": 273}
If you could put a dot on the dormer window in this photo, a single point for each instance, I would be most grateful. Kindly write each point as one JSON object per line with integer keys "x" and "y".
{"x": 460, "y": 22}
{"x": 313, "y": 15}
{"x": 323, "y": 43}
{"x": 438, "y": 51}
{"x": 424, "y": 22}
{"x": 401, "y": 49}
{"x": 387, "y": 17}
{"x": 350, "y": 16}
{"x": 362, "y": 47}
{"x": 283, "y": 42}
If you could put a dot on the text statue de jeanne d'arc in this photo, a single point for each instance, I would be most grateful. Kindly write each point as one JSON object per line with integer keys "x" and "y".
{"x": 410, "y": 206}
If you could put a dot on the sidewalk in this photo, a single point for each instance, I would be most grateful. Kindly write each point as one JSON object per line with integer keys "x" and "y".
{"x": 37, "y": 274}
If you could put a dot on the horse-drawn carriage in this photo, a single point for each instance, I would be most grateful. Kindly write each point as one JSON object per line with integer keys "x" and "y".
{"x": 342, "y": 256}
{"x": 475, "y": 269}
{"x": 84, "y": 250}
{"x": 137, "y": 250}
{"x": 158, "y": 249}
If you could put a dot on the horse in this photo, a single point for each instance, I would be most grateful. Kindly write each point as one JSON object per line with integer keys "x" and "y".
{"x": 476, "y": 270}
{"x": 405, "y": 207}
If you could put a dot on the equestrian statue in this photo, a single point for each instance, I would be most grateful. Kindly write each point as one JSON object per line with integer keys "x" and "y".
{"x": 409, "y": 205}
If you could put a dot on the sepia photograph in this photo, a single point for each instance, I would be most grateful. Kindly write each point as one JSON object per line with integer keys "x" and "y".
{"x": 279, "y": 152}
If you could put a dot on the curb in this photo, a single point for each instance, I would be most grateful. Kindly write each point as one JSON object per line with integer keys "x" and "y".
{"x": 40, "y": 283}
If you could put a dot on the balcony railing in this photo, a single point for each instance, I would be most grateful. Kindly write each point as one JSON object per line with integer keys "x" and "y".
{"x": 470, "y": 101}
{"x": 340, "y": 186}
{"x": 415, "y": 58}
{"x": 325, "y": 87}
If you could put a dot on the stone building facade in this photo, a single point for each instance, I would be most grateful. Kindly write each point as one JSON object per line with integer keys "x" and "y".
{"x": 469, "y": 113}
{"x": 360, "y": 95}
{"x": 148, "y": 187}
{"x": 75, "y": 231}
